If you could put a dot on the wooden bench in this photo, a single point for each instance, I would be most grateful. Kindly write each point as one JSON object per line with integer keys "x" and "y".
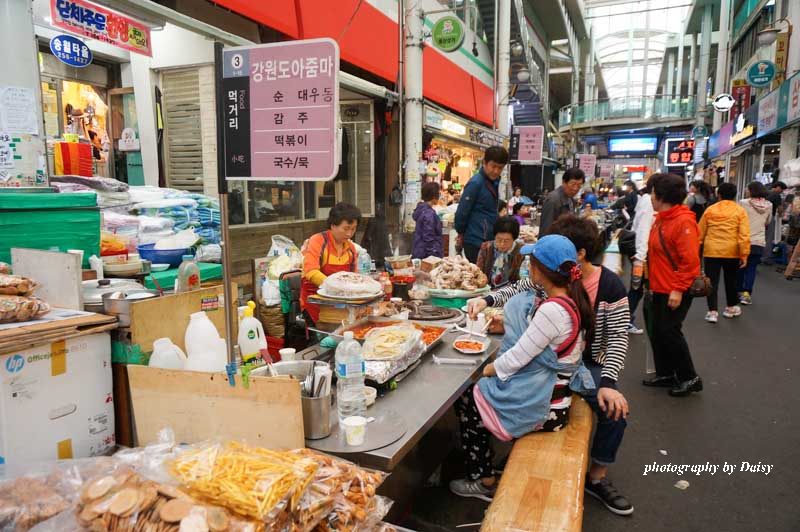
{"x": 541, "y": 489}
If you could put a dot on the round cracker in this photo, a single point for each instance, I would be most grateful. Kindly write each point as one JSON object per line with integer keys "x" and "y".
{"x": 218, "y": 520}
{"x": 175, "y": 510}
{"x": 99, "y": 488}
{"x": 124, "y": 501}
{"x": 171, "y": 492}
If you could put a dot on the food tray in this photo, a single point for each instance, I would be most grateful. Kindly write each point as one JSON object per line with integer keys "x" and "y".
{"x": 453, "y": 294}
{"x": 322, "y": 293}
{"x": 385, "y": 322}
{"x": 472, "y": 338}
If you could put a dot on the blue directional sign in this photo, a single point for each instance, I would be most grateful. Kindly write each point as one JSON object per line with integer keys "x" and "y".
{"x": 71, "y": 50}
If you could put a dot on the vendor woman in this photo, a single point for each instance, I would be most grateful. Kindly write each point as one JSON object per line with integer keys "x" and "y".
{"x": 328, "y": 252}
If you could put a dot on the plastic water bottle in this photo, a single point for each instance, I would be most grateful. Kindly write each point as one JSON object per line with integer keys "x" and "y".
{"x": 188, "y": 275}
{"x": 350, "y": 400}
{"x": 636, "y": 277}
{"x": 525, "y": 269}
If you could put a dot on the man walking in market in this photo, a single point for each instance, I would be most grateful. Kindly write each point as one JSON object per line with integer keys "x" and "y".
{"x": 562, "y": 200}
{"x": 477, "y": 210}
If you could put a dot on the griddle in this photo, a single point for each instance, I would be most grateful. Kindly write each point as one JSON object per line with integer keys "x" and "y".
{"x": 431, "y": 313}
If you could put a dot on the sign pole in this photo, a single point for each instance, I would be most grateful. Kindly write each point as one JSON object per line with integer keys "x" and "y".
{"x": 222, "y": 185}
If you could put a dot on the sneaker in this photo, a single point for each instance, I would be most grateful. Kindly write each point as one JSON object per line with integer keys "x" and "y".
{"x": 712, "y": 316}
{"x": 605, "y": 492}
{"x": 633, "y": 329}
{"x": 472, "y": 488}
{"x": 732, "y": 312}
{"x": 745, "y": 299}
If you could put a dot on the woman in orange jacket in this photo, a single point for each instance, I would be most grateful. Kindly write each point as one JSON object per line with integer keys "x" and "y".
{"x": 674, "y": 263}
{"x": 725, "y": 237}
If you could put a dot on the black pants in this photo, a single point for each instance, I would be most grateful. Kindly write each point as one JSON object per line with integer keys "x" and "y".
{"x": 471, "y": 252}
{"x": 670, "y": 350}
{"x": 476, "y": 440}
{"x": 715, "y": 267}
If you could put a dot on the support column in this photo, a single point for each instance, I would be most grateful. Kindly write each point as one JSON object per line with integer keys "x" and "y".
{"x": 144, "y": 95}
{"x": 646, "y": 58}
{"x": 721, "y": 81}
{"x": 21, "y": 69}
{"x": 670, "y": 94}
{"x": 789, "y": 137}
{"x": 705, "y": 52}
{"x": 692, "y": 67}
{"x": 679, "y": 74}
{"x": 503, "y": 63}
{"x": 630, "y": 65}
{"x": 413, "y": 94}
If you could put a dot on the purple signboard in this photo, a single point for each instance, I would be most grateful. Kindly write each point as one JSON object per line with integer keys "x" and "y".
{"x": 281, "y": 103}
{"x": 531, "y": 139}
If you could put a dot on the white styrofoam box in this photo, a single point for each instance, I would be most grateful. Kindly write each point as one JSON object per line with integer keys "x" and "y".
{"x": 56, "y": 401}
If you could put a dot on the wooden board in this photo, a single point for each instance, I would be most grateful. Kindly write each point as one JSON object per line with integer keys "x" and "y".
{"x": 59, "y": 275}
{"x": 541, "y": 489}
{"x": 24, "y": 337}
{"x": 202, "y": 406}
{"x": 168, "y": 316}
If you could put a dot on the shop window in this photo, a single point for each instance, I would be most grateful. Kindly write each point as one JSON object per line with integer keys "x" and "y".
{"x": 260, "y": 202}
{"x": 183, "y": 143}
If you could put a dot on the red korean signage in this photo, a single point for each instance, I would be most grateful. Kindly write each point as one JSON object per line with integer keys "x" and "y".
{"x": 97, "y": 22}
{"x": 679, "y": 152}
{"x": 741, "y": 96}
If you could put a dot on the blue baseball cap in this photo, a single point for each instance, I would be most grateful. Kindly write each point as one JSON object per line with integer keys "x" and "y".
{"x": 552, "y": 251}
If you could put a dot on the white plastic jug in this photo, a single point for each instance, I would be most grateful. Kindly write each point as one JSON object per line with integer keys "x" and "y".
{"x": 167, "y": 355}
{"x": 212, "y": 359}
{"x": 200, "y": 334}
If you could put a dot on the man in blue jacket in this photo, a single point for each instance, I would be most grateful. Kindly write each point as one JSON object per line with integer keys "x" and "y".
{"x": 477, "y": 210}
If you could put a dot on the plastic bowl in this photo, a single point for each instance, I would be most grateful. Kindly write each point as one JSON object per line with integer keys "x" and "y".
{"x": 159, "y": 267}
{"x": 173, "y": 257}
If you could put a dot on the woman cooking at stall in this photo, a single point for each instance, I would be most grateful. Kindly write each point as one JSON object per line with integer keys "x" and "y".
{"x": 328, "y": 252}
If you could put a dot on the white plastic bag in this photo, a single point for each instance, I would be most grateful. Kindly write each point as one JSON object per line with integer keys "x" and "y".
{"x": 271, "y": 293}
{"x": 282, "y": 245}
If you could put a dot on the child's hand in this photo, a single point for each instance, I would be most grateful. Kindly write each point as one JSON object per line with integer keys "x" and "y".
{"x": 488, "y": 371}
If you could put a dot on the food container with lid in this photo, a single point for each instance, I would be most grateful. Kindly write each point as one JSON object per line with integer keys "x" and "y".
{"x": 93, "y": 291}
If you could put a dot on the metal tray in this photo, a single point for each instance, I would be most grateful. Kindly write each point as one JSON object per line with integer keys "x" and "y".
{"x": 377, "y": 319}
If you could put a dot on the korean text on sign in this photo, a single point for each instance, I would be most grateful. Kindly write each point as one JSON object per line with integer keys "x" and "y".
{"x": 281, "y": 110}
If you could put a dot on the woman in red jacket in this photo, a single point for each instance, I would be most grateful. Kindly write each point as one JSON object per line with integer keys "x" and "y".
{"x": 674, "y": 262}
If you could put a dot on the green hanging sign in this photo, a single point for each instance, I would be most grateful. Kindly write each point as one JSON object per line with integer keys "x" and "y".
{"x": 761, "y": 73}
{"x": 448, "y": 34}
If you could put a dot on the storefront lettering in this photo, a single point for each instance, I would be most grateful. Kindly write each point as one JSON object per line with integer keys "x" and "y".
{"x": 96, "y": 22}
{"x": 302, "y": 68}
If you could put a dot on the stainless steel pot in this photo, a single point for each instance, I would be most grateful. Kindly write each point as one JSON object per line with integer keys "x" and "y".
{"x": 93, "y": 291}
{"x": 118, "y": 303}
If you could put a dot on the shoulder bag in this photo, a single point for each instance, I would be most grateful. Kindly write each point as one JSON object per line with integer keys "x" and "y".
{"x": 701, "y": 286}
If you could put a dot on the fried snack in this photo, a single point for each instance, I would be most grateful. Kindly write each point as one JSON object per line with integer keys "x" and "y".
{"x": 26, "y": 501}
{"x": 248, "y": 480}
{"x": 468, "y": 345}
{"x": 125, "y": 502}
{"x": 16, "y": 285}
{"x": 21, "y": 308}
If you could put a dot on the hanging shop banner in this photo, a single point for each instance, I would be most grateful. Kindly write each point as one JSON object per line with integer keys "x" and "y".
{"x": 281, "y": 103}
{"x": 678, "y": 152}
{"x": 606, "y": 170}
{"x": 790, "y": 95}
{"x": 448, "y": 34}
{"x": 719, "y": 143}
{"x": 587, "y": 162}
{"x": 744, "y": 127}
{"x": 530, "y": 142}
{"x": 781, "y": 51}
{"x": 761, "y": 73}
{"x": 451, "y": 126}
{"x": 71, "y": 51}
{"x": 740, "y": 92}
{"x": 102, "y": 24}
{"x": 768, "y": 113}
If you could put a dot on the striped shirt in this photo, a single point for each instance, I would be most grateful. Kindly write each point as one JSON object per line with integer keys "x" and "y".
{"x": 612, "y": 315}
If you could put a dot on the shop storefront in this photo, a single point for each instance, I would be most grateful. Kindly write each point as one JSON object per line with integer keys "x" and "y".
{"x": 454, "y": 147}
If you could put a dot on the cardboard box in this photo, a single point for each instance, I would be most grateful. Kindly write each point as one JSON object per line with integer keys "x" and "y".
{"x": 56, "y": 401}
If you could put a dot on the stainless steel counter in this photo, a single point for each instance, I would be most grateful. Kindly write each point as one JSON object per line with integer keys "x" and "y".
{"x": 422, "y": 399}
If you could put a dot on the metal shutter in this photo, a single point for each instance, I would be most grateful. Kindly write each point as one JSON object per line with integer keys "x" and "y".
{"x": 182, "y": 140}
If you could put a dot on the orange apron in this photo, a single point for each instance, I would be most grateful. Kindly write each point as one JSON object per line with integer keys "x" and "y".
{"x": 307, "y": 288}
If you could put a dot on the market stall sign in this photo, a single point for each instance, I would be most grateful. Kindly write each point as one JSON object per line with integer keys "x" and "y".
{"x": 768, "y": 113}
{"x": 448, "y": 34}
{"x": 781, "y": 53}
{"x": 461, "y": 130}
{"x": 699, "y": 131}
{"x": 723, "y": 102}
{"x": 678, "y": 152}
{"x": 527, "y": 144}
{"x": 761, "y": 73}
{"x": 281, "y": 103}
{"x": 102, "y": 24}
{"x": 71, "y": 51}
{"x": 744, "y": 127}
{"x": 741, "y": 93}
{"x": 790, "y": 99}
{"x": 587, "y": 162}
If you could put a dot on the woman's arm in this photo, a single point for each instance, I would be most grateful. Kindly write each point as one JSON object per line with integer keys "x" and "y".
{"x": 744, "y": 236}
{"x": 687, "y": 244}
{"x": 311, "y": 261}
{"x": 550, "y": 325}
{"x": 498, "y": 298}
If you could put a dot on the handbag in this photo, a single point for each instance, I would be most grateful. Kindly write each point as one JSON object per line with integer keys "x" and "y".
{"x": 701, "y": 286}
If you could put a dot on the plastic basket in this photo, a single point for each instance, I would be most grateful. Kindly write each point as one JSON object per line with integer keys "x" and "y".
{"x": 173, "y": 257}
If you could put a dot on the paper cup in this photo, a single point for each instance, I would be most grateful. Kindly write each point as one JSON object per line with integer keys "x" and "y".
{"x": 355, "y": 430}
{"x": 288, "y": 354}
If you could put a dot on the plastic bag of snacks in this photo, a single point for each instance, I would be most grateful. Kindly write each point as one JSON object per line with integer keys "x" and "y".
{"x": 21, "y": 308}
{"x": 16, "y": 285}
{"x": 5, "y": 267}
{"x": 252, "y": 481}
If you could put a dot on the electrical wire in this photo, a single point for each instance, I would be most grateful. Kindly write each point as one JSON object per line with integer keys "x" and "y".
{"x": 350, "y": 22}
